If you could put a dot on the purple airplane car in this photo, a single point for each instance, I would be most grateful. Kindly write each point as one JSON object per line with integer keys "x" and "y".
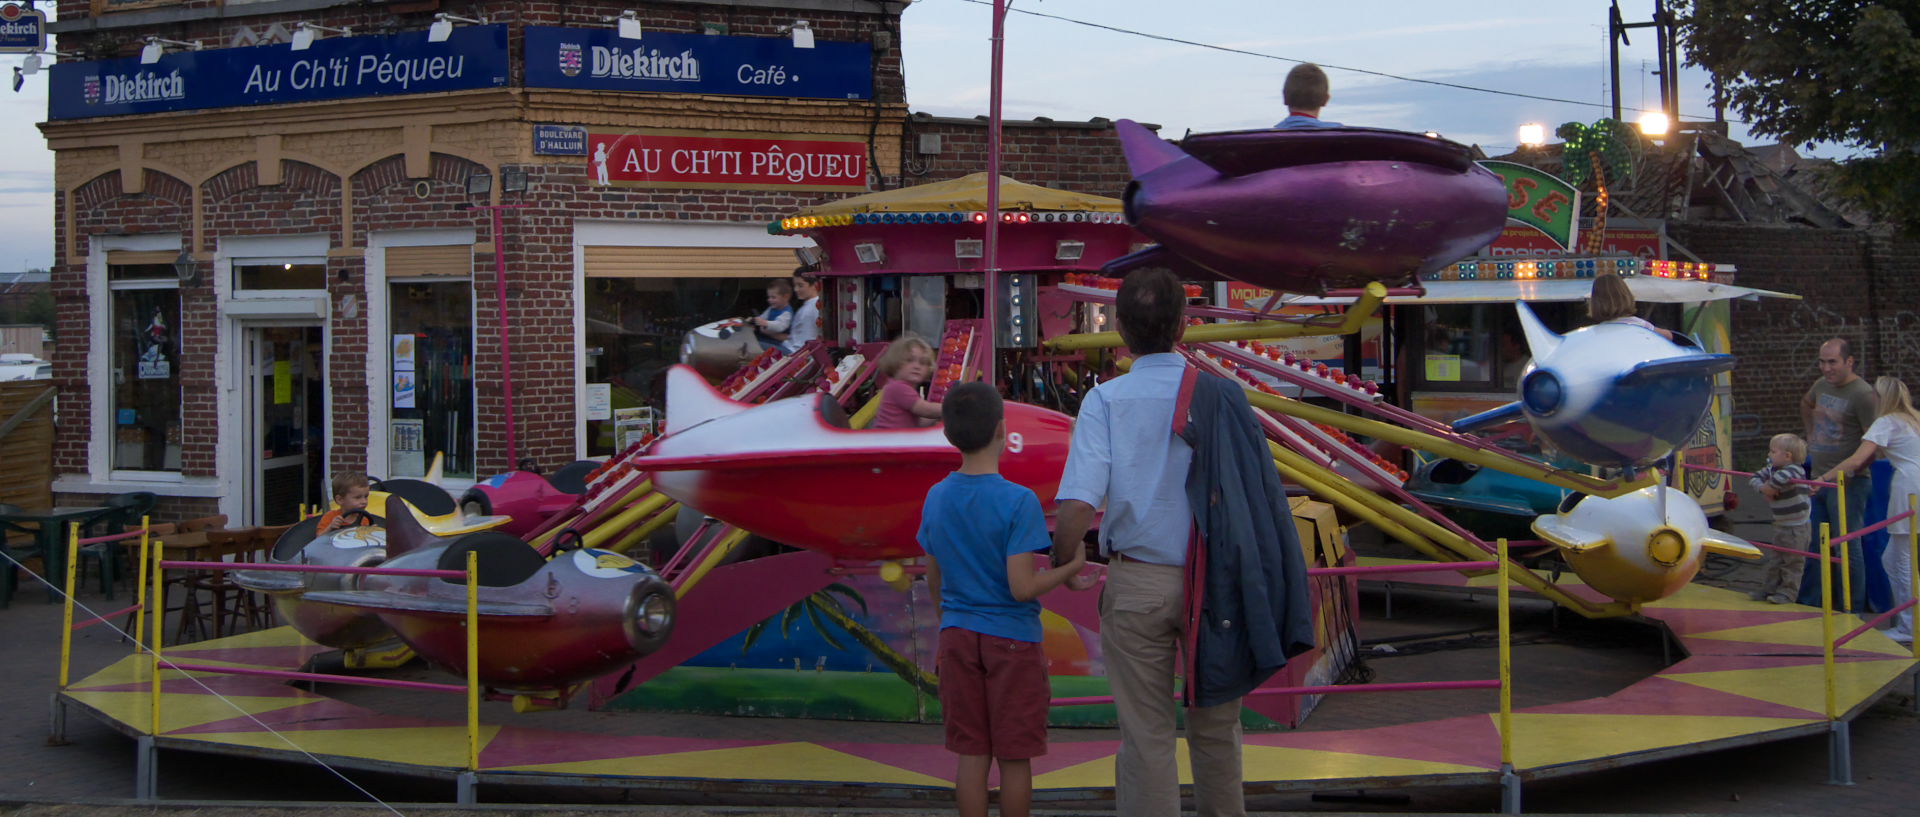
{"x": 1306, "y": 210}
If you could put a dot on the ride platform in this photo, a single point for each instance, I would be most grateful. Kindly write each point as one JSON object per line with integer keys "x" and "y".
{"x": 1749, "y": 672}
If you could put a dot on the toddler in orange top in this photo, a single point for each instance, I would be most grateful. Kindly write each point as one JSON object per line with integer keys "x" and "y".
{"x": 350, "y": 492}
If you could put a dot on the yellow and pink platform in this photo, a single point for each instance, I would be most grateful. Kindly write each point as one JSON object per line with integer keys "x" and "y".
{"x": 1753, "y": 673}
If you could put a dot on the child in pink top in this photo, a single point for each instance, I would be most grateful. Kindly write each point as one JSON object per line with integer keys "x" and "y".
{"x": 907, "y": 362}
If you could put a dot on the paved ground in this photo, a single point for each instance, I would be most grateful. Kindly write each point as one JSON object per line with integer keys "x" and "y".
{"x": 1568, "y": 659}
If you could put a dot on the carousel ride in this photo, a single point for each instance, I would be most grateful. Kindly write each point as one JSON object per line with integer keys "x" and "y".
{"x": 771, "y": 494}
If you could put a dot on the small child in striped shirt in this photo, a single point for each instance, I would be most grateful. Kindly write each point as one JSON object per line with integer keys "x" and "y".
{"x": 1791, "y": 528}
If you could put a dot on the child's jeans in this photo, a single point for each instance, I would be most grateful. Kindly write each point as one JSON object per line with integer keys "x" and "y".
{"x": 1781, "y": 574}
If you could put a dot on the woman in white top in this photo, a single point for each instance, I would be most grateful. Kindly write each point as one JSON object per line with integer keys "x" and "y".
{"x": 1612, "y": 302}
{"x": 1896, "y": 433}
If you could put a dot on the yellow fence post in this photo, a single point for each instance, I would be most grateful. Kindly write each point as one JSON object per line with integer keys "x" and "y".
{"x": 1913, "y": 576}
{"x": 1846, "y": 569}
{"x": 66, "y": 613}
{"x": 153, "y": 641}
{"x": 1826, "y": 610}
{"x": 469, "y": 781}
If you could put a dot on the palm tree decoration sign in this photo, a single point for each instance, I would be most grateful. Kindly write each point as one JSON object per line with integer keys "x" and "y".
{"x": 1599, "y": 151}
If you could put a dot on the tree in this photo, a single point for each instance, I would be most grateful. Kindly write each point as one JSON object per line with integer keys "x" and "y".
{"x": 1823, "y": 71}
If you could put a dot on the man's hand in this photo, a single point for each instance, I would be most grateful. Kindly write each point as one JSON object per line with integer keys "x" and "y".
{"x": 1082, "y": 581}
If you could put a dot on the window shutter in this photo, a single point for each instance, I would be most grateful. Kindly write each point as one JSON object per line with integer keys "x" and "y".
{"x": 689, "y": 262}
{"x": 440, "y": 260}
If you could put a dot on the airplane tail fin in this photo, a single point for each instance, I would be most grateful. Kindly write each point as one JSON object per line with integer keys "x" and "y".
{"x": 435, "y": 471}
{"x": 1489, "y": 418}
{"x": 691, "y": 401}
{"x": 1541, "y": 341}
{"x": 1145, "y": 150}
{"x": 1568, "y": 537}
{"x": 1727, "y": 544}
{"x": 404, "y": 531}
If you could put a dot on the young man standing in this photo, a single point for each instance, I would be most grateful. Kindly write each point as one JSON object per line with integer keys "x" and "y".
{"x": 1837, "y": 410}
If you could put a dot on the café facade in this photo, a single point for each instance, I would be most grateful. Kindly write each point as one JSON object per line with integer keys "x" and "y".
{"x": 299, "y": 238}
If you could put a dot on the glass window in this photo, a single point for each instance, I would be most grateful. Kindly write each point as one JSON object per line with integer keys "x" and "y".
{"x": 635, "y": 328}
{"x": 431, "y": 362}
{"x": 256, "y": 274}
{"x": 146, "y": 375}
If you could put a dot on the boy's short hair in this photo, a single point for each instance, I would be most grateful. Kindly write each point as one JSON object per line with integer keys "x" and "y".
{"x": 901, "y": 350}
{"x": 969, "y": 414}
{"x": 1791, "y": 444}
{"x": 781, "y": 286}
{"x": 1306, "y": 88}
{"x": 1151, "y": 306}
{"x": 348, "y": 480}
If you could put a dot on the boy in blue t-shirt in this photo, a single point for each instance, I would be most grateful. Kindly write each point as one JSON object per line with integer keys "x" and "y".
{"x": 981, "y": 532}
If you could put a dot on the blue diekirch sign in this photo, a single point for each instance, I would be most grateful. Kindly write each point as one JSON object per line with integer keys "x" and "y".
{"x": 333, "y": 68}
{"x": 22, "y": 30}
{"x": 599, "y": 59}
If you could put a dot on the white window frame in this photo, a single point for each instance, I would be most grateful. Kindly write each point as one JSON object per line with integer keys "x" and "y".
{"x": 380, "y": 342}
{"x": 595, "y": 233}
{"x": 101, "y": 476}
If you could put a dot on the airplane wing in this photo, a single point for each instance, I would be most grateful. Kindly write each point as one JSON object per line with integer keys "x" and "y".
{"x": 1159, "y": 256}
{"x": 269, "y": 581}
{"x": 1488, "y": 419}
{"x": 1688, "y": 366}
{"x": 1565, "y": 536}
{"x": 1727, "y": 544}
{"x": 383, "y": 600}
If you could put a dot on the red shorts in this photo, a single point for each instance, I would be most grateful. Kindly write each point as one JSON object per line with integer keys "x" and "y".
{"x": 993, "y": 694}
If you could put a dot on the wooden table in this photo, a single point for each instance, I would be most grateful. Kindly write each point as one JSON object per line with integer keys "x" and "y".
{"x": 51, "y": 536}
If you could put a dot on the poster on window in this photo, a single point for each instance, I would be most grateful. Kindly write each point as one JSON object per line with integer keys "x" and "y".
{"x": 403, "y": 353}
{"x": 408, "y": 458}
{"x": 403, "y": 390}
{"x": 153, "y": 363}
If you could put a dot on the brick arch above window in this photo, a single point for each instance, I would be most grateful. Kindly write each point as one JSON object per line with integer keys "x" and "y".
{"x": 108, "y": 186}
{"x": 295, "y": 177}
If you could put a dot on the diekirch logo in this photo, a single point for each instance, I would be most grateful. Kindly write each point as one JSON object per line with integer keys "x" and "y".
{"x": 90, "y": 88}
{"x": 570, "y": 59}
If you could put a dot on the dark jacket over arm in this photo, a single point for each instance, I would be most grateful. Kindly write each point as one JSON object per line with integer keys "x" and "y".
{"x": 1255, "y": 612}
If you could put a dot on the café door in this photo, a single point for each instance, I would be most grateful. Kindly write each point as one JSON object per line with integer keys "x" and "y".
{"x": 284, "y": 400}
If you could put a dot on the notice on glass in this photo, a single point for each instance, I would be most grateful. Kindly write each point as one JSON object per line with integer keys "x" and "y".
{"x": 1443, "y": 368}
{"x": 403, "y": 353}
{"x": 403, "y": 389}
{"x": 408, "y": 455}
{"x": 599, "y": 401}
{"x": 282, "y": 382}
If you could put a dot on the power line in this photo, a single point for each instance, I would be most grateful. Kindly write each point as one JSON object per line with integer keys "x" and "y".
{"x": 1368, "y": 72}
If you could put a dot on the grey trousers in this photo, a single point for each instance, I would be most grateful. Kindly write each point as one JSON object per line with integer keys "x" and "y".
{"x": 1142, "y": 620}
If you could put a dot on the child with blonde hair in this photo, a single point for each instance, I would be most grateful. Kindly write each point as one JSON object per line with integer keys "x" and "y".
{"x": 907, "y": 363}
{"x": 1780, "y": 576}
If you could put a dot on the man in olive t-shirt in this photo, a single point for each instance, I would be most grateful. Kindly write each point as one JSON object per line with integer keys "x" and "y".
{"x": 1837, "y": 410}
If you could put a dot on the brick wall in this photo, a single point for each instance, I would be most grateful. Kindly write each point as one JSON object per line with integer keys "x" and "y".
{"x": 1083, "y": 157}
{"x": 1853, "y": 284}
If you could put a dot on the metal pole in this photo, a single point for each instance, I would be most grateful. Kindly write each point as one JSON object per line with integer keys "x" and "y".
{"x": 1614, "y": 35}
{"x": 469, "y": 780}
{"x": 1913, "y": 584}
{"x": 992, "y": 247}
{"x": 1826, "y": 613}
{"x": 140, "y": 588}
{"x": 1509, "y": 780}
{"x": 506, "y": 349}
{"x": 1660, "y": 45}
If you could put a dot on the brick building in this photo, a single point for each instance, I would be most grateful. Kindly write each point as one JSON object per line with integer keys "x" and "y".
{"x": 281, "y": 242}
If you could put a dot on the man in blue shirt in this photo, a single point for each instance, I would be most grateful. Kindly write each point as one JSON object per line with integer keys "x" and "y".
{"x": 1305, "y": 94}
{"x": 1125, "y": 456}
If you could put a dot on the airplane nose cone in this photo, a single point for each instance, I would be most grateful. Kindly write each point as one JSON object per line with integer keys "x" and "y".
{"x": 1542, "y": 393}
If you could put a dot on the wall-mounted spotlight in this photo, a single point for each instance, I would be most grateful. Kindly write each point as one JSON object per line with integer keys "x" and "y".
{"x": 802, "y": 33}
{"x": 1069, "y": 250}
{"x": 156, "y": 48}
{"x": 870, "y": 253}
{"x": 304, "y": 34}
{"x": 627, "y": 24}
{"x": 442, "y": 27}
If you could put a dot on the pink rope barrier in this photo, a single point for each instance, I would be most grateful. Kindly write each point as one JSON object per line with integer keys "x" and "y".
{"x": 362, "y": 571}
{"x": 104, "y": 616}
{"x": 1409, "y": 686}
{"x": 1436, "y": 567}
{"x": 113, "y": 537}
{"x": 1807, "y": 553}
{"x": 1858, "y": 631}
{"x": 350, "y": 680}
{"x": 1732, "y": 473}
{"x": 1880, "y": 525}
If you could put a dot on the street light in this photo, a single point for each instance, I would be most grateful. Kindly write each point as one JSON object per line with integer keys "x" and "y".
{"x": 1654, "y": 124}
{"x": 1533, "y": 135}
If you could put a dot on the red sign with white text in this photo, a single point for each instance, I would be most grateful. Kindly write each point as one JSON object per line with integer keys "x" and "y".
{"x": 732, "y": 162}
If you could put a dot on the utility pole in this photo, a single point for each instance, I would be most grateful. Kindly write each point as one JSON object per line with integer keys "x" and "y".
{"x": 1667, "y": 43}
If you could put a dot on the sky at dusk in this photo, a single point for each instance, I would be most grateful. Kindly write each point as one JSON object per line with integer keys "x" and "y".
{"x": 1069, "y": 71}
